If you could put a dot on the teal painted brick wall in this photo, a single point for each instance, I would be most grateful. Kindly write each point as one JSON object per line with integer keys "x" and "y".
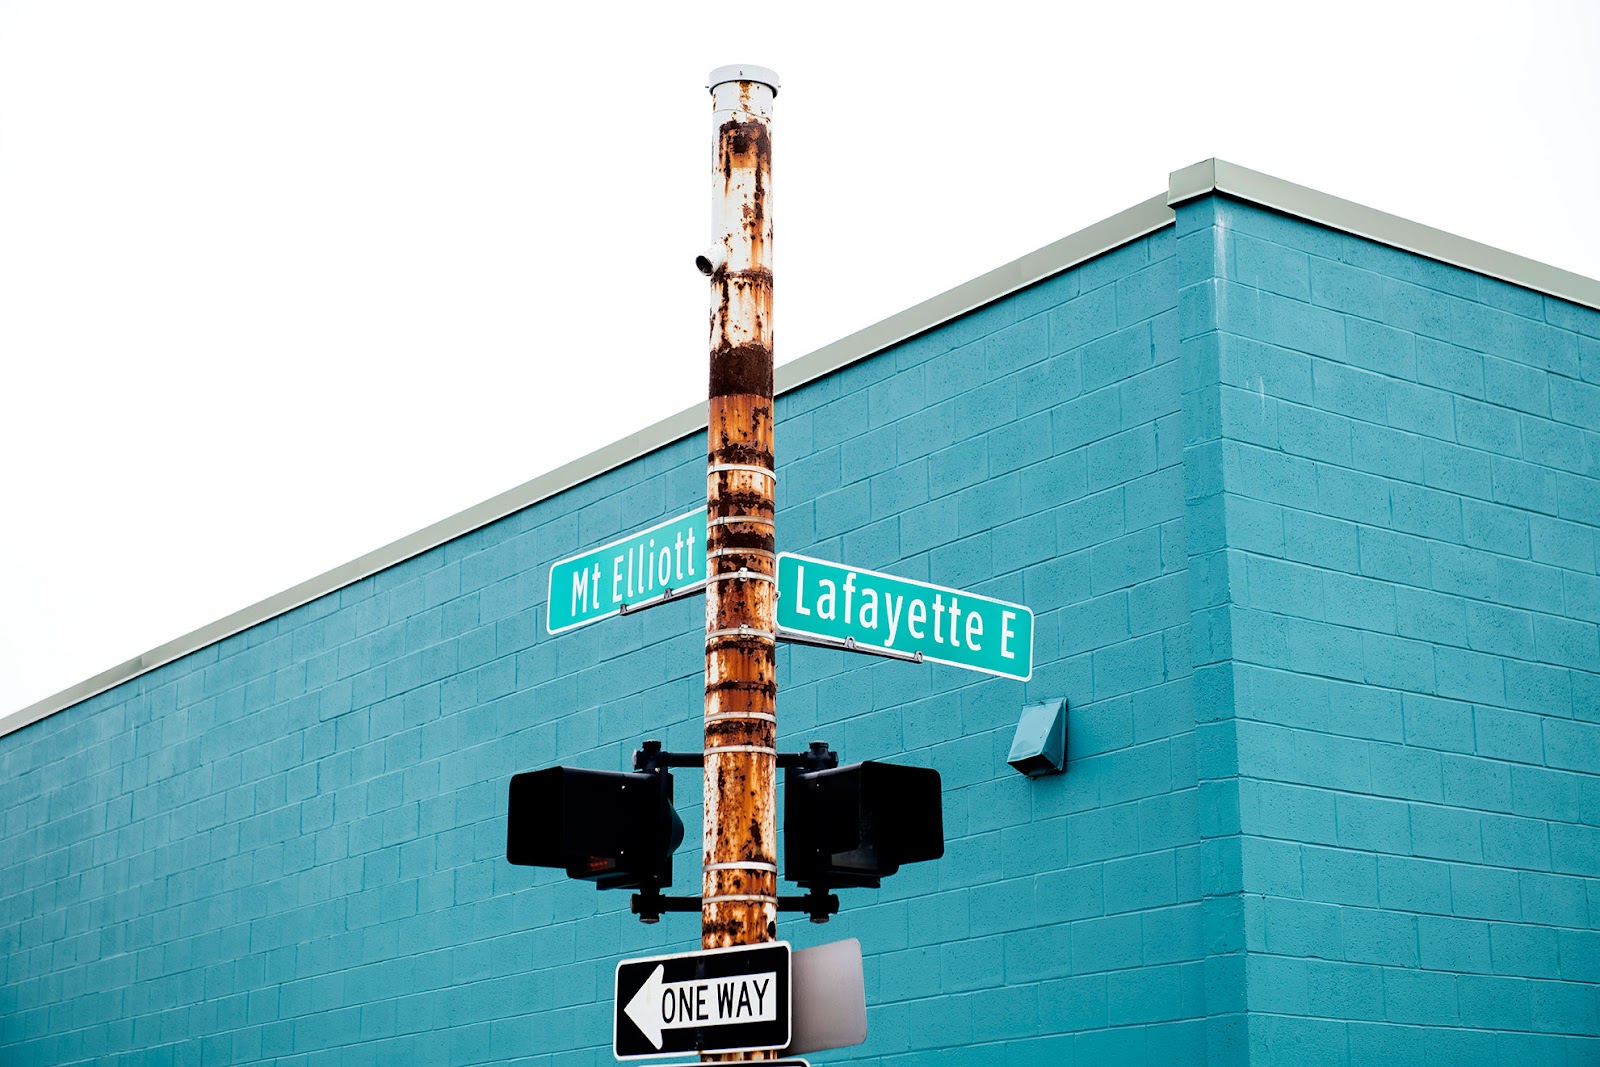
{"x": 288, "y": 847}
{"x": 1032, "y": 452}
{"x": 1397, "y": 465}
{"x": 1211, "y": 679}
{"x": 1310, "y": 527}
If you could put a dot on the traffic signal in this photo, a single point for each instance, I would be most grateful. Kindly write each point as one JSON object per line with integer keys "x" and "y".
{"x": 615, "y": 829}
{"x": 852, "y": 826}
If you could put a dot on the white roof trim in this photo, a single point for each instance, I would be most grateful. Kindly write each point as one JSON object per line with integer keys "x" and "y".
{"x": 1220, "y": 176}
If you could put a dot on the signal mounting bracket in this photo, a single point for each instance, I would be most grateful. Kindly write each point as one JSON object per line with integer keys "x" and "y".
{"x": 651, "y": 903}
{"x": 650, "y": 758}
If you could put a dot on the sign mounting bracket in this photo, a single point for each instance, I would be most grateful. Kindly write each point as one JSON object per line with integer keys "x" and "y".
{"x": 847, "y": 644}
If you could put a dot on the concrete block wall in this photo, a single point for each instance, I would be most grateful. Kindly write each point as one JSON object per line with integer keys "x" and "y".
{"x": 1310, "y": 527}
{"x": 1396, "y": 466}
{"x": 1032, "y": 451}
{"x": 288, "y": 846}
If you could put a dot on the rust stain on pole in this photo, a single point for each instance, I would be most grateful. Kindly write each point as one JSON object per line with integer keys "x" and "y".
{"x": 740, "y": 881}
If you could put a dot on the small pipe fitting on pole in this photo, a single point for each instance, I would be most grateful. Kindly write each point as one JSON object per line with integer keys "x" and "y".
{"x": 711, "y": 260}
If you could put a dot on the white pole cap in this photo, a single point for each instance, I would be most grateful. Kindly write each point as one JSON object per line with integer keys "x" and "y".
{"x": 744, "y": 72}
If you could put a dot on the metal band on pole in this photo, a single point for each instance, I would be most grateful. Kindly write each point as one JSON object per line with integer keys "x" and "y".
{"x": 749, "y": 468}
{"x": 762, "y": 898}
{"x": 743, "y": 575}
{"x": 743, "y": 631}
{"x": 735, "y": 520}
{"x": 747, "y": 866}
{"x": 760, "y": 749}
{"x": 758, "y": 553}
{"x": 753, "y": 716}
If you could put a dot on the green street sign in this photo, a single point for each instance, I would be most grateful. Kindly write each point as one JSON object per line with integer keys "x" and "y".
{"x": 977, "y": 633}
{"x": 643, "y": 567}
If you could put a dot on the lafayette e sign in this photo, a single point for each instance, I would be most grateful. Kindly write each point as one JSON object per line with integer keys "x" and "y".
{"x": 946, "y": 625}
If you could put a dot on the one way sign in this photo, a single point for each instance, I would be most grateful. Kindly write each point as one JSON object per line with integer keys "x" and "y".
{"x": 722, "y": 1000}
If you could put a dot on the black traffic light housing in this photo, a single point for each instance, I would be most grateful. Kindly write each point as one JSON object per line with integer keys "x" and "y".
{"x": 613, "y": 828}
{"x": 845, "y": 827}
{"x": 853, "y": 826}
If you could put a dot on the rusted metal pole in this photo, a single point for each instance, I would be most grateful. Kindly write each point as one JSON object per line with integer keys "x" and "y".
{"x": 740, "y": 882}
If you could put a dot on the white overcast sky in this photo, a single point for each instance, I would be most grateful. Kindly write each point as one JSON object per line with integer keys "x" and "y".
{"x": 283, "y": 281}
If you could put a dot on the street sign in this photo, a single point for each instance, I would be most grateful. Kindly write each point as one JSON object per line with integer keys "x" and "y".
{"x": 721, "y": 1000}
{"x": 643, "y": 567}
{"x": 874, "y": 610}
{"x": 830, "y": 997}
